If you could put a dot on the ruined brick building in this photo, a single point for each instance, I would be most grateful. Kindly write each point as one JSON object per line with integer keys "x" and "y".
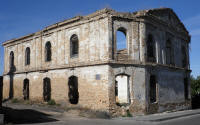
{"x": 77, "y": 62}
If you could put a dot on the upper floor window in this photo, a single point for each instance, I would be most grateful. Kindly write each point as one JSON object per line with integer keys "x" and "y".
{"x": 27, "y": 56}
{"x": 151, "y": 49}
{"x": 121, "y": 39}
{"x": 74, "y": 45}
{"x": 11, "y": 60}
{"x": 48, "y": 51}
{"x": 184, "y": 56}
{"x": 169, "y": 53}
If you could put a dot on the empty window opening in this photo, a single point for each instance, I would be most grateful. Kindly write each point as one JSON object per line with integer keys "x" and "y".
{"x": 48, "y": 51}
{"x": 26, "y": 89}
{"x": 27, "y": 56}
{"x": 121, "y": 44}
{"x": 121, "y": 39}
{"x": 74, "y": 45}
{"x": 122, "y": 93}
{"x": 73, "y": 93}
{"x": 11, "y": 59}
{"x": 169, "y": 53}
{"x": 153, "y": 89}
{"x": 151, "y": 49}
{"x": 186, "y": 93}
{"x": 184, "y": 57}
{"x": 46, "y": 89}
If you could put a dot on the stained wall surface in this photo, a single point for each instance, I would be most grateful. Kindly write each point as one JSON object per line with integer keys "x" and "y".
{"x": 99, "y": 62}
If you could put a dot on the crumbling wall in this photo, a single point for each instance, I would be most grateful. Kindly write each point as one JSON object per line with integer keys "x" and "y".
{"x": 136, "y": 89}
{"x": 93, "y": 46}
{"x": 92, "y": 86}
{"x": 170, "y": 90}
{"x": 161, "y": 34}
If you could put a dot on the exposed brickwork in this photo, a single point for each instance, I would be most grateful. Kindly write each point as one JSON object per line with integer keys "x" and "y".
{"x": 98, "y": 62}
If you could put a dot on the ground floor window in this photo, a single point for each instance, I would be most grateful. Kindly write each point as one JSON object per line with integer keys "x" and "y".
{"x": 152, "y": 91}
{"x": 73, "y": 93}
{"x": 26, "y": 89}
{"x": 186, "y": 88}
{"x": 122, "y": 93}
{"x": 46, "y": 89}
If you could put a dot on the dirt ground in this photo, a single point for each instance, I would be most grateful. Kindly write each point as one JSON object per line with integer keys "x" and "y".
{"x": 19, "y": 113}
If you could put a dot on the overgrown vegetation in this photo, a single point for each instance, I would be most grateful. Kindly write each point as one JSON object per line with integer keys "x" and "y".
{"x": 15, "y": 100}
{"x": 128, "y": 114}
{"x": 51, "y": 102}
{"x": 195, "y": 92}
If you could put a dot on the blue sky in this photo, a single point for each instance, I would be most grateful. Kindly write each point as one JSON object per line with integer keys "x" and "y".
{"x": 22, "y": 17}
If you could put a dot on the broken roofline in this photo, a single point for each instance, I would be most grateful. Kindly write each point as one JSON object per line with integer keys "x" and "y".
{"x": 60, "y": 23}
{"x": 140, "y": 13}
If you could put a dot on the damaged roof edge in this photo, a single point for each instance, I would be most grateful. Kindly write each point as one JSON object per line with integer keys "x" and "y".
{"x": 139, "y": 13}
{"x": 60, "y": 23}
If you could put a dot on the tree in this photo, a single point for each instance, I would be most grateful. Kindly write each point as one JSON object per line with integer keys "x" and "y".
{"x": 195, "y": 91}
{"x": 195, "y": 86}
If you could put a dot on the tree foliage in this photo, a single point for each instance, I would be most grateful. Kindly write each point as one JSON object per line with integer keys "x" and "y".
{"x": 195, "y": 86}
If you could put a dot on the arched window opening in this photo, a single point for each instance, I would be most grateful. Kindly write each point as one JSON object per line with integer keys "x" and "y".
{"x": 121, "y": 44}
{"x": 151, "y": 49}
{"x": 26, "y": 89}
{"x": 73, "y": 93}
{"x": 153, "y": 87}
{"x": 11, "y": 59}
{"x": 48, "y": 51}
{"x": 74, "y": 47}
{"x": 184, "y": 57}
{"x": 46, "y": 89}
{"x": 186, "y": 91}
{"x": 122, "y": 92}
{"x": 121, "y": 39}
{"x": 27, "y": 56}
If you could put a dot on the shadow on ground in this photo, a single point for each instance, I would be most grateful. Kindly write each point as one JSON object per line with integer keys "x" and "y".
{"x": 25, "y": 116}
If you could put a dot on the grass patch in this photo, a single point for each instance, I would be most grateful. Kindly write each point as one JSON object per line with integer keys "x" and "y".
{"x": 51, "y": 102}
{"x": 128, "y": 114}
{"x": 15, "y": 100}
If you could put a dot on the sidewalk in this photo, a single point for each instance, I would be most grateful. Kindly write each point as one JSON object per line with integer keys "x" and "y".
{"x": 162, "y": 116}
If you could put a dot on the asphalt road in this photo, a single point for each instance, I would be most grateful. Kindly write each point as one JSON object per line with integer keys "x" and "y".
{"x": 30, "y": 115}
{"x": 189, "y": 120}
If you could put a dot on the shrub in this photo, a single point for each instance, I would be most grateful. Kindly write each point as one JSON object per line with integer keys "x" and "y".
{"x": 51, "y": 102}
{"x": 15, "y": 100}
{"x": 195, "y": 92}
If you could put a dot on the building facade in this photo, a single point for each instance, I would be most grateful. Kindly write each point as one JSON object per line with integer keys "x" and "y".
{"x": 77, "y": 62}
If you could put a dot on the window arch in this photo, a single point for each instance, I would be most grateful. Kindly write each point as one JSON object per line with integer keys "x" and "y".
{"x": 46, "y": 89}
{"x": 11, "y": 60}
{"x": 74, "y": 47}
{"x": 27, "y": 56}
{"x": 184, "y": 56}
{"x": 48, "y": 51}
{"x": 151, "y": 49}
{"x": 169, "y": 52}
